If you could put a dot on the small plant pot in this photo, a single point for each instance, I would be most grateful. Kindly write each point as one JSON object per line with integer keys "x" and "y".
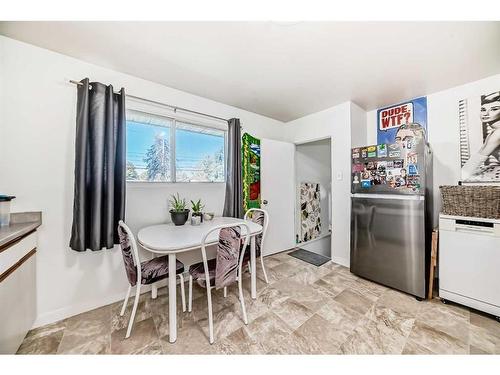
{"x": 195, "y": 220}
{"x": 179, "y": 217}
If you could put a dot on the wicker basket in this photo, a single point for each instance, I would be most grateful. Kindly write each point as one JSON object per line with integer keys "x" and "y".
{"x": 473, "y": 201}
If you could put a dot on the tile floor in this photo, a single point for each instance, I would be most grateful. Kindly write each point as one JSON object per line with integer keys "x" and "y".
{"x": 303, "y": 310}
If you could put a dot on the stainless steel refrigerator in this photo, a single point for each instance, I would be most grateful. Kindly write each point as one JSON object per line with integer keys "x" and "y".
{"x": 391, "y": 209}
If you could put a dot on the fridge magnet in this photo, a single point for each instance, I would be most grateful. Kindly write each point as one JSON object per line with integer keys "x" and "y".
{"x": 365, "y": 175}
{"x": 381, "y": 167}
{"x": 382, "y": 151}
{"x": 366, "y": 183}
{"x": 412, "y": 169}
{"x": 395, "y": 154}
{"x": 399, "y": 181}
{"x": 411, "y": 158}
{"x": 372, "y": 151}
{"x": 370, "y": 165}
{"x": 364, "y": 152}
{"x": 479, "y": 122}
{"x": 358, "y": 167}
{"x": 355, "y": 153}
{"x": 355, "y": 178}
{"x": 398, "y": 163}
{"x": 413, "y": 183}
{"x": 390, "y": 164}
{"x": 400, "y": 122}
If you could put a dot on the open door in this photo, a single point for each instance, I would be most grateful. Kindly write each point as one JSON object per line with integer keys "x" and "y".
{"x": 278, "y": 194}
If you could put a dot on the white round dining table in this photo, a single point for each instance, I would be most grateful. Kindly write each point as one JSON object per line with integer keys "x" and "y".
{"x": 169, "y": 239}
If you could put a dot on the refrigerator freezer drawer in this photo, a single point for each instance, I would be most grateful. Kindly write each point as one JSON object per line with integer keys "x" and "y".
{"x": 469, "y": 264}
{"x": 388, "y": 242}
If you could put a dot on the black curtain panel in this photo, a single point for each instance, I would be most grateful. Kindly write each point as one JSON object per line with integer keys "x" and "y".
{"x": 100, "y": 164}
{"x": 233, "y": 204}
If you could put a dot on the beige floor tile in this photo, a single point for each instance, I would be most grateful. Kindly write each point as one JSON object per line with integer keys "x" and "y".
{"x": 400, "y": 322}
{"x": 373, "y": 338}
{"x": 84, "y": 328}
{"x": 190, "y": 340}
{"x": 270, "y": 331}
{"x": 152, "y": 349}
{"x": 225, "y": 322}
{"x": 331, "y": 289}
{"x": 485, "y": 321}
{"x": 143, "y": 334}
{"x": 340, "y": 316}
{"x": 98, "y": 345}
{"x": 323, "y": 335}
{"x": 446, "y": 319}
{"x": 400, "y": 302}
{"x": 412, "y": 347}
{"x": 293, "y": 313}
{"x": 436, "y": 341}
{"x": 272, "y": 297}
{"x": 240, "y": 342}
{"x": 45, "y": 344}
{"x": 143, "y": 312}
{"x": 354, "y": 300}
{"x": 483, "y": 339}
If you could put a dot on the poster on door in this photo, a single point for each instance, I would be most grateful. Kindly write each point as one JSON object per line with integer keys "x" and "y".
{"x": 479, "y": 122}
{"x": 250, "y": 158}
{"x": 403, "y": 122}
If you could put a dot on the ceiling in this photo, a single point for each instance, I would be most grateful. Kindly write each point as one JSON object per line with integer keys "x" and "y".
{"x": 282, "y": 70}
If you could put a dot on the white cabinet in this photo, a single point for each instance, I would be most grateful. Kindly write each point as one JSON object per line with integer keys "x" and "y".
{"x": 17, "y": 292}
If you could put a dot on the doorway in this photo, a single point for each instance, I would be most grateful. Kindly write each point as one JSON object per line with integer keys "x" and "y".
{"x": 313, "y": 186}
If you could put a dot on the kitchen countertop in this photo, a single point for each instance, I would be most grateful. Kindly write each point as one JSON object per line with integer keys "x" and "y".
{"x": 20, "y": 224}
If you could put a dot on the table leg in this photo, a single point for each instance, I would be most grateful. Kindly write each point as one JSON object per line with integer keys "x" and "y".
{"x": 172, "y": 298}
{"x": 253, "y": 274}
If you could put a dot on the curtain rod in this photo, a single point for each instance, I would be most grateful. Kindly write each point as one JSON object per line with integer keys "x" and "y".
{"x": 175, "y": 108}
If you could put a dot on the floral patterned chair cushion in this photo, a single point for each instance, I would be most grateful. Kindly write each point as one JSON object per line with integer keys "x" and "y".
{"x": 198, "y": 272}
{"x": 156, "y": 269}
{"x": 151, "y": 270}
{"x": 223, "y": 270}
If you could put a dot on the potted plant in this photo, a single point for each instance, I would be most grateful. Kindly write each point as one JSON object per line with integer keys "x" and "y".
{"x": 197, "y": 215}
{"x": 178, "y": 211}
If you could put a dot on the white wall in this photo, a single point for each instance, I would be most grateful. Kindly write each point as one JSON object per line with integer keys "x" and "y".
{"x": 37, "y": 109}
{"x": 443, "y": 130}
{"x": 335, "y": 122}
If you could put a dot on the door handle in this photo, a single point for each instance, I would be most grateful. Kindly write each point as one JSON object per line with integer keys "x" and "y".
{"x": 264, "y": 202}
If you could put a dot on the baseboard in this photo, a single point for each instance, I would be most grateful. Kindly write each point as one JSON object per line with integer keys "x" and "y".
{"x": 342, "y": 261}
{"x": 69, "y": 311}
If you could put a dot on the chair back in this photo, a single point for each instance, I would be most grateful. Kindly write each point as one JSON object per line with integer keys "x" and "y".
{"x": 229, "y": 258}
{"x": 261, "y": 217}
{"x": 130, "y": 253}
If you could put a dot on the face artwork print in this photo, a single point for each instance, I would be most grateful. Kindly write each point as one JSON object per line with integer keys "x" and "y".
{"x": 479, "y": 121}
{"x": 310, "y": 209}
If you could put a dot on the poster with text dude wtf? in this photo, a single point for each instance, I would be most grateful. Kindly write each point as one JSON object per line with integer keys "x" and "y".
{"x": 392, "y": 119}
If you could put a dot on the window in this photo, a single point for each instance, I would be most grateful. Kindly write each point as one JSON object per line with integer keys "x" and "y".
{"x": 162, "y": 149}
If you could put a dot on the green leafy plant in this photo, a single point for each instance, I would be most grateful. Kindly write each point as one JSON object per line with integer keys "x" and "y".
{"x": 197, "y": 207}
{"x": 177, "y": 204}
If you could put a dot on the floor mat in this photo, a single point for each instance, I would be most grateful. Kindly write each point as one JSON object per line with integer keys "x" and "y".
{"x": 309, "y": 257}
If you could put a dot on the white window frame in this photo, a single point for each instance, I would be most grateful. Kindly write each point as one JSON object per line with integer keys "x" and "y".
{"x": 174, "y": 118}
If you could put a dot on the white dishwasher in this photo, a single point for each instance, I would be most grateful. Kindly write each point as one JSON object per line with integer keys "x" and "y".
{"x": 469, "y": 262}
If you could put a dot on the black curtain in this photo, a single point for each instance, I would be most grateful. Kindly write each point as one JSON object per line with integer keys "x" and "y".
{"x": 100, "y": 165}
{"x": 233, "y": 203}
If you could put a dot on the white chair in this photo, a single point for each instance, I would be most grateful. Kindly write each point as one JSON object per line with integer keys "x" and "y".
{"x": 209, "y": 274}
{"x": 142, "y": 273}
{"x": 261, "y": 217}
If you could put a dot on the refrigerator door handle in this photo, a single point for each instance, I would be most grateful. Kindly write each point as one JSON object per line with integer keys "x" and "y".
{"x": 390, "y": 196}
